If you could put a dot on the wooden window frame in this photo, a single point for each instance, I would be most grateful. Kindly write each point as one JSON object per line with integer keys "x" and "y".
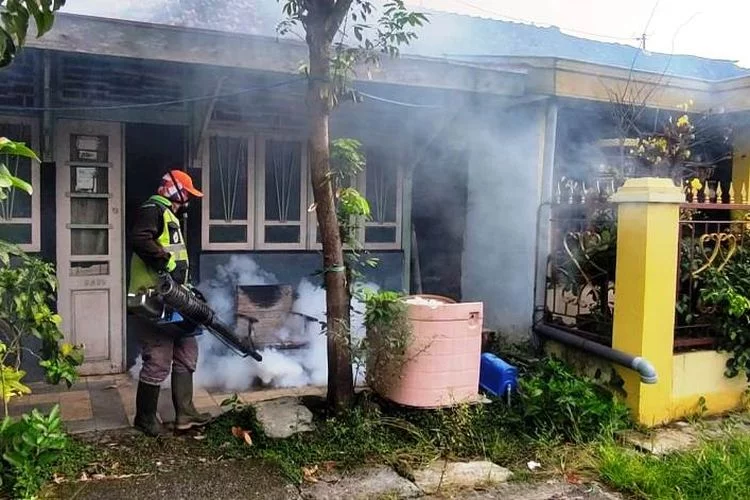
{"x": 35, "y": 220}
{"x": 260, "y": 192}
{"x": 207, "y": 222}
{"x": 312, "y": 222}
{"x": 256, "y": 222}
{"x": 362, "y": 188}
{"x": 398, "y": 225}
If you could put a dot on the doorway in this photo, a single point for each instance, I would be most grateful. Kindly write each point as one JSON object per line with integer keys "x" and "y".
{"x": 151, "y": 150}
{"x": 89, "y": 241}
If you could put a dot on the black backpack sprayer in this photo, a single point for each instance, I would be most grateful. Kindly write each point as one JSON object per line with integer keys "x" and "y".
{"x": 178, "y": 309}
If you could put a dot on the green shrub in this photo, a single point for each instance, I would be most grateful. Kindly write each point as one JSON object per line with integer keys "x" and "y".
{"x": 554, "y": 402}
{"x": 29, "y": 447}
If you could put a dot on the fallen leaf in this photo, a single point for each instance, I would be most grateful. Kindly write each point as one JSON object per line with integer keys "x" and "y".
{"x": 98, "y": 476}
{"x": 329, "y": 466}
{"x": 199, "y": 437}
{"x": 57, "y": 479}
{"x": 202, "y": 460}
{"x": 241, "y": 433}
{"x": 308, "y": 474}
{"x": 573, "y": 478}
{"x": 84, "y": 477}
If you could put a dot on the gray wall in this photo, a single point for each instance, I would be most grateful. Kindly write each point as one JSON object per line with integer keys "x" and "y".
{"x": 505, "y": 168}
{"x": 291, "y": 267}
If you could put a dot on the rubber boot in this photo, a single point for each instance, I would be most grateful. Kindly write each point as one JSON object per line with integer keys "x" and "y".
{"x": 186, "y": 416}
{"x": 146, "y": 401}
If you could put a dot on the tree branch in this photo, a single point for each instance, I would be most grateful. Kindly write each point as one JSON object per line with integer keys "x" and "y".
{"x": 338, "y": 12}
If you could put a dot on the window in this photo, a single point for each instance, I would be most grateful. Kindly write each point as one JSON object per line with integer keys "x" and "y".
{"x": 257, "y": 192}
{"x": 281, "y": 197}
{"x": 19, "y": 213}
{"x": 383, "y": 189}
{"x": 356, "y": 182}
{"x": 381, "y": 184}
{"x": 228, "y": 175}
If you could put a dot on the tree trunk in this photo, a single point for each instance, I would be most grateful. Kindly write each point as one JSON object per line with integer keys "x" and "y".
{"x": 340, "y": 378}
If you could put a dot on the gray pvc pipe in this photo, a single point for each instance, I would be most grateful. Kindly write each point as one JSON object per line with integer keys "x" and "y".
{"x": 641, "y": 365}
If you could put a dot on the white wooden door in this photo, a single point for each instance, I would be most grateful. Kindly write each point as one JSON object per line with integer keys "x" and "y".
{"x": 90, "y": 241}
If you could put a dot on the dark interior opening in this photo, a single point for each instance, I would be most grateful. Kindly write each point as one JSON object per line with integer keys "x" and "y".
{"x": 149, "y": 151}
{"x": 439, "y": 197}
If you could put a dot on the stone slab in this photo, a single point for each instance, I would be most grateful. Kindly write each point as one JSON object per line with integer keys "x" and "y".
{"x": 367, "y": 484}
{"x": 661, "y": 441}
{"x": 459, "y": 475}
{"x": 284, "y": 417}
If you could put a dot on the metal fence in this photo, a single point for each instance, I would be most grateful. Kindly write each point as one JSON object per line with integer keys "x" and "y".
{"x": 713, "y": 230}
{"x": 579, "y": 297}
{"x": 579, "y": 293}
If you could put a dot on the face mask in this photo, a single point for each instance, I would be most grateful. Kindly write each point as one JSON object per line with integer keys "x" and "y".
{"x": 182, "y": 208}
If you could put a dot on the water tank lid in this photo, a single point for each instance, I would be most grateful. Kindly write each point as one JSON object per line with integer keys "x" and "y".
{"x": 416, "y": 299}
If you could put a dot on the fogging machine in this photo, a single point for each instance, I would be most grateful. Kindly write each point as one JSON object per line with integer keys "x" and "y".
{"x": 178, "y": 309}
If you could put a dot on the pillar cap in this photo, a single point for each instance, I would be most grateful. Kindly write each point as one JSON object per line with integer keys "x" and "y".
{"x": 648, "y": 190}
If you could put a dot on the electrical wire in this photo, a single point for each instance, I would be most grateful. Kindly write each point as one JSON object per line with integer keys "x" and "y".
{"x": 172, "y": 102}
{"x": 527, "y": 21}
{"x": 399, "y": 103}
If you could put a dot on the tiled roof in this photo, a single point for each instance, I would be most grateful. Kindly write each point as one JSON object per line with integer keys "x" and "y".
{"x": 458, "y": 36}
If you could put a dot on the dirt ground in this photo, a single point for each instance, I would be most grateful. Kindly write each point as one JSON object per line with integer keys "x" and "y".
{"x": 226, "y": 480}
{"x": 129, "y": 466}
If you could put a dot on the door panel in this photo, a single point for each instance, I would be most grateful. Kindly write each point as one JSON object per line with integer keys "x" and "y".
{"x": 89, "y": 240}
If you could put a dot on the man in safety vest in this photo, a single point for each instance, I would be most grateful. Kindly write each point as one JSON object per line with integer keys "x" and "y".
{"x": 158, "y": 246}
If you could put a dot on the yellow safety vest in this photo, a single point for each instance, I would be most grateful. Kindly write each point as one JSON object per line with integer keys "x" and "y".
{"x": 143, "y": 277}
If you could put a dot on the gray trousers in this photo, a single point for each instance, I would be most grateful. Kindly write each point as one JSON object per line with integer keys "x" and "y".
{"x": 162, "y": 352}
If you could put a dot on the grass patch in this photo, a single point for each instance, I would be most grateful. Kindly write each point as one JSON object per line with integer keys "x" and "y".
{"x": 370, "y": 433}
{"x": 554, "y": 407}
{"x": 718, "y": 469}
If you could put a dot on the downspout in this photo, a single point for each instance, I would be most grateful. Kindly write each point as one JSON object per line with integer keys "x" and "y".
{"x": 636, "y": 363}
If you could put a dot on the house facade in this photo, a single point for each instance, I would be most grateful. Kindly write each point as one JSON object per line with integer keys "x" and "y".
{"x": 461, "y": 154}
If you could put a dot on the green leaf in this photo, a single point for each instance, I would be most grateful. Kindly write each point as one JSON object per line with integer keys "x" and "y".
{"x": 13, "y": 148}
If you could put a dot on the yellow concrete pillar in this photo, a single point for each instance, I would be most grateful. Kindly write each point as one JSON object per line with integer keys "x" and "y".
{"x": 647, "y": 252}
{"x": 741, "y": 167}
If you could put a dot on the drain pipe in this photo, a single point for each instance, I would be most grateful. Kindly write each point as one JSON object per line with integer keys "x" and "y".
{"x": 636, "y": 363}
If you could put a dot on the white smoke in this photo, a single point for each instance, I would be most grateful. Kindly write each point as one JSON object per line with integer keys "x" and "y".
{"x": 219, "y": 368}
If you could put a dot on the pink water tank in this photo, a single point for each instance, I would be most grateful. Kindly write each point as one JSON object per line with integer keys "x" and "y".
{"x": 442, "y": 367}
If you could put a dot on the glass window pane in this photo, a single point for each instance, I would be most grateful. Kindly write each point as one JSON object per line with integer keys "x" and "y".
{"x": 227, "y": 234}
{"x": 228, "y": 174}
{"x": 282, "y": 234}
{"x": 377, "y": 234}
{"x": 18, "y": 234}
{"x": 89, "y": 241}
{"x": 89, "y": 211}
{"x": 89, "y": 268}
{"x": 89, "y": 148}
{"x": 283, "y": 187}
{"x": 381, "y": 189}
{"x": 18, "y": 203}
{"x": 89, "y": 180}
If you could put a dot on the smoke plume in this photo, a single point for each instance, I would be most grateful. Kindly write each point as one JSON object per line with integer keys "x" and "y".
{"x": 220, "y": 368}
